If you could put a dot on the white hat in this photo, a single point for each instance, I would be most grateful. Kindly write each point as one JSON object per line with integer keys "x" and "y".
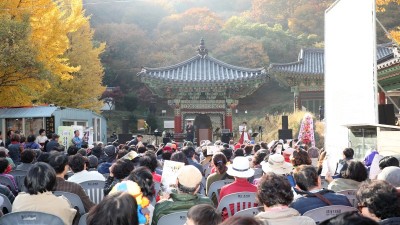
{"x": 240, "y": 168}
{"x": 276, "y": 164}
{"x": 289, "y": 151}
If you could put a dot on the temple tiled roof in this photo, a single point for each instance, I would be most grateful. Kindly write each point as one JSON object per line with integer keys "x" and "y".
{"x": 310, "y": 62}
{"x": 203, "y": 69}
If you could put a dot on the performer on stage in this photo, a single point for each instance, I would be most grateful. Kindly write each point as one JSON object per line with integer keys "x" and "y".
{"x": 244, "y": 137}
{"x": 189, "y": 131}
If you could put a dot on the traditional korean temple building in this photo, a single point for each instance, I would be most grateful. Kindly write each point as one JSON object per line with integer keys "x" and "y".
{"x": 305, "y": 77}
{"x": 204, "y": 89}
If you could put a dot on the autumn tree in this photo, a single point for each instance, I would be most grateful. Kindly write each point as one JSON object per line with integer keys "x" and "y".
{"x": 388, "y": 11}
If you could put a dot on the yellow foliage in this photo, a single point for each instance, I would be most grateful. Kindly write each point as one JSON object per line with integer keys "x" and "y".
{"x": 396, "y": 34}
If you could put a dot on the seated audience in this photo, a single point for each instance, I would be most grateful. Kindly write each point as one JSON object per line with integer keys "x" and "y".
{"x": 388, "y": 161}
{"x": 118, "y": 171}
{"x": 179, "y": 157}
{"x": 348, "y": 154}
{"x": 5, "y": 168}
{"x": 190, "y": 155}
{"x": 203, "y": 214}
{"x": 119, "y": 208}
{"x": 378, "y": 200}
{"x": 188, "y": 184}
{"x": 53, "y": 143}
{"x": 40, "y": 182}
{"x": 300, "y": 157}
{"x": 98, "y": 150}
{"x": 149, "y": 160}
{"x": 352, "y": 174}
{"x": 241, "y": 220}
{"x": 275, "y": 194}
{"x": 391, "y": 175}
{"x": 30, "y": 143}
{"x": 258, "y": 158}
{"x": 59, "y": 162}
{"x": 77, "y": 163}
{"x": 8, "y": 194}
{"x": 110, "y": 154}
{"x": 313, "y": 152}
{"x": 207, "y": 158}
{"x": 219, "y": 161}
{"x": 312, "y": 194}
{"x": 82, "y": 151}
{"x": 238, "y": 152}
{"x": 4, "y": 154}
{"x": 349, "y": 218}
{"x": 15, "y": 148}
{"x": 28, "y": 157}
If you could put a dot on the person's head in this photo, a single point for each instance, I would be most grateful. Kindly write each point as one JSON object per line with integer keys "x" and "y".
{"x": 76, "y": 133}
{"x": 149, "y": 160}
{"x": 390, "y": 174}
{"x": 82, "y": 152}
{"x": 203, "y": 214}
{"x": 348, "y": 153}
{"x": 43, "y": 157}
{"x": 306, "y": 177}
{"x": 240, "y": 168}
{"x": 141, "y": 149}
{"x": 93, "y": 162}
{"x": 189, "y": 152}
{"x": 122, "y": 168}
{"x": 3, "y": 165}
{"x": 119, "y": 208}
{"x": 238, "y": 152}
{"x": 179, "y": 157}
{"x": 256, "y": 147}
{"x": 300, "y": 157}
{"x": 77, "y": 163}
{"x": 143, "y": 177}
{"x": 219, "y": 160}
{"x": 139, "y": 137}
{"x": 55, "y": 137}
{"x": 3, "y": 152}
{"x": 40, "y": 178}
{"x": 248, "y": 149}
{"x": 228, "y": 153}
{"x": 121, "y": 153}
{"x": 354, "y": 170}
{"x": 42, "y": 132}
{"x": 349, "y": 218}
{"x": 15, "y": 138}
{"x": 28, "y": 156}
{"x": 189, "y": 179}
{"x": 59, "y": 162}
{"x": 31, "y": 138}
{"x": 241, "y": 220}
{"x": 72, "y": 150}
{"x": 388, "y": 161}
{"x": 259, "y": 156}
{"x": 274, "y": 190}
{"x": 110, "y": 153}
{"x": 378, "y": 200}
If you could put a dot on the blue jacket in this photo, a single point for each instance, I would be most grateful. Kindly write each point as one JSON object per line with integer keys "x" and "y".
{"x": 309, "y": 202}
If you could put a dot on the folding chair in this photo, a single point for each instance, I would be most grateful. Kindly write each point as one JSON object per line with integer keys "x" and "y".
{"x": 74, "y": 199}
{"x": 94, "y": 189}
{"x": 351, "y": 195}
{"x": 216, "y": 186}
{"x": 7, "y": 182}
{"x": 237, "y": 201}
{"x": 203, "y": 186}
{"x": 178, "y": 218}
{"x": 30, "y": 218}
{"x": 323, "y": 213}
{"x": 19, "y": 176}
{"x": 207, "y": 172}
{"x": 250, "y": 211}
{"x": 6, "y": 204}
{"x": 157, "y": 187}
{"x": 82, "y": 220}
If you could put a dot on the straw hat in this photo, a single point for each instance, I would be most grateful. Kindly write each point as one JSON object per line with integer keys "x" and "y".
{"x": 240, "y": 168}
{"x": 276, "y": 164}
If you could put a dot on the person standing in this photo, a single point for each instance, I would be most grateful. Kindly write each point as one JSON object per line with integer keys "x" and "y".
{"x": 76, "y": 140}
{"x": 42, "y": 138}
{"x": 53, "y": 143}
{"x": 189, "y": 131}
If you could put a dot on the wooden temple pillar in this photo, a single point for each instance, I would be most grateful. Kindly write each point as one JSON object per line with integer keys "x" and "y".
{"x": 297, "y": 100}
{"x": 228, "y": 119}
{"x": 177, "y": 117}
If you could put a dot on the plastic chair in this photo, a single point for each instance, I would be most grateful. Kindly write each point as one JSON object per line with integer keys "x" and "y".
{"x": 178, "y": 218}
{"x": 157, "y": 187}
{"x": 6, "y": 203}
{"x": 7, "y": 182}
{"x": 351, "y": 195}
{"x": 237, "y": 201}
{"x": 82, "y": 220}
{"x": 323, "y": 213}
{"x": 207, "y": 172}
{"x": 216, "y": 186}
{"x": 30, "y": 218}
{"x": 19, "y": 176}
{"x": 94, "y": 189}
{"x": 74, "y": 199}
{"x": 250, "y": 211}
{"x": 203, "y": 186}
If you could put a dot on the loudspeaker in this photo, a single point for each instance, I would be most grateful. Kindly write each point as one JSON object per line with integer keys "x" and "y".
{"x": 123, "y": 138}
{"x": 285, "y": 134}
{"x": 226, "y": 137}
{"x": 285, "y": 123}
{"x": 386, "y": 114}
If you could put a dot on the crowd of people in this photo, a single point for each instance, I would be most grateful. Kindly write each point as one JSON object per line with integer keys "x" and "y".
{"x": 285, "y": 177}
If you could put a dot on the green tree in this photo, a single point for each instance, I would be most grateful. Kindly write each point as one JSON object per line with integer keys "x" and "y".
{"x": 130, "y": 102}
